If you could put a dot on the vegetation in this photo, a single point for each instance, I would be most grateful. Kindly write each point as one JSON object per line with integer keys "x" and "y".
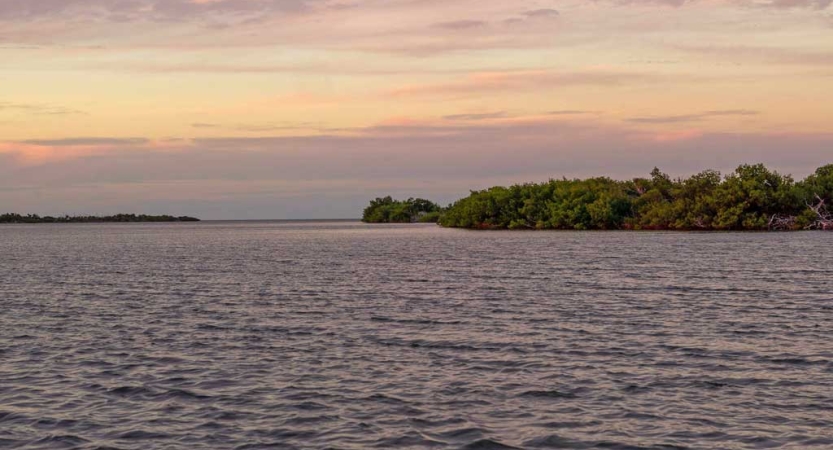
{"x": 33, "y": 218}
{"x": 388, "y": 210}
{"x": 751, "y": 198}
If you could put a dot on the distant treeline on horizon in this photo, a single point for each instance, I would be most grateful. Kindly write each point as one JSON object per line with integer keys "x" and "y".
{"x": 752, "y": 198}
{"x": 34, "y": 218}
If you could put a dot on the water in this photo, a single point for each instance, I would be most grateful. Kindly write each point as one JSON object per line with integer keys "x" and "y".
{"x": 340, "y": 335}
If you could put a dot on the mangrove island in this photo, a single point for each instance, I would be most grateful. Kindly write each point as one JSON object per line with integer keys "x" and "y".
{"x": 388, "y": 210}
{"x": 752, "y": 198}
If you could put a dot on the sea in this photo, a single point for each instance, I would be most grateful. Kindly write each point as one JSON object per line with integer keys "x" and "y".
{"x": 341, "y": 335}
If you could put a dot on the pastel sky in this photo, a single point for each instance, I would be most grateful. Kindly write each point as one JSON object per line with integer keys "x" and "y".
{"x": 307, "y": 108}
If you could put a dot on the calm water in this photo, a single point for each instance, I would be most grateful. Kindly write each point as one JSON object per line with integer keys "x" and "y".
{"x": 339, "y": 335}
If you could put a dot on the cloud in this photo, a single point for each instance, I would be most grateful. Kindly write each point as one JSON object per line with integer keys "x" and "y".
{"x": 788, "y": 4}
{"x": 674, "y": 3}
{"x": 473, "y": 117}
{"x": 731, "y": 112}
{"x": 87, "y": 141}
{"x": 542, "y": 13}
{"x": 260, "y": 128}
{"x": 525, "y": 80}
{"x": 331, "y": 68}
{"x": 34, "y": 152}
{"x": 138, "y": 10}
{"x": 692, "y": 117}
{"x": 777, "y": 4}
{"x": 569, "y": 112}
{"x": 416, "y": 28}
{"x": 665, "y": 119}
{"x": 333, "y": 176}
{"x": 411, "y": 27}
{"x": 528, "y": 18}
{"x": 461, "y": 25}
{"x": 39, "y": 109}
{"x": 760, "y": 54}
{"x": 247, "y": 10}
{"x": 20, "y": 47}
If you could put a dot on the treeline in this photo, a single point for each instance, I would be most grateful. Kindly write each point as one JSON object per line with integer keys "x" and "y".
{"x": 388, "y": 210}
{"x": 34, "y": 218}
{"x": 751, "y": 198}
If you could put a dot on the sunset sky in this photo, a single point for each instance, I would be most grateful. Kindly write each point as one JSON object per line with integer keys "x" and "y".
{"x": 307, "y": 108}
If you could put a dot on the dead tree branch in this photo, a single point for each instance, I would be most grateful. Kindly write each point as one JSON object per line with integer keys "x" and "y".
{"x": 825, "y": 218}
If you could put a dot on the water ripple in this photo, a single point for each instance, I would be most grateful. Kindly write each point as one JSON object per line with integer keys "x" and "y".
{"x": 345, "y": 336}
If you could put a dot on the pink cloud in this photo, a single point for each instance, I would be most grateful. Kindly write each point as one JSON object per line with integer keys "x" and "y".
{"x": 779, "y": 4}
{"x": 121, "y": 10}
{"x": 48, "y": 151}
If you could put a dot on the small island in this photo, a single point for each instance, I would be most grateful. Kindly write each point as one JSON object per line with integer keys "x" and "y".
{"x": 388, "y": 210}
{"x": 34, "y": 218}
{"x": 752, "y": 198}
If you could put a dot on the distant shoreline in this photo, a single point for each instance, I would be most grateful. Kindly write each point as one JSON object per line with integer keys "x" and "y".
{"x": 60, "y": 220}
{"x": 14, "y": 218}
{"x": 351, "y": 219}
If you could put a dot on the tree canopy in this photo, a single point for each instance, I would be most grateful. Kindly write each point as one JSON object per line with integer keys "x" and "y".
{"x": 752, "y": 197}
{"x": 388, "y": 210}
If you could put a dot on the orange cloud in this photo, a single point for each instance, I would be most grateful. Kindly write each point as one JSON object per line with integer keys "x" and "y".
{"x": 37, "y": 152}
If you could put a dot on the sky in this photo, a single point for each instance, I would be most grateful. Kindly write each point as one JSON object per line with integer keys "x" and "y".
{"x": 291, "y": 109}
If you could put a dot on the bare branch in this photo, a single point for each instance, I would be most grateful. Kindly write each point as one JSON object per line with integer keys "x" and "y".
{"x": 825, "y": 218}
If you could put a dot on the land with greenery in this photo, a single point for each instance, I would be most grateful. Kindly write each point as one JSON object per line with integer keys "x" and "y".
{"x": 34, "y": 218}
{"x": 388, "y": 210}
{"x": 752, "y": 198}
